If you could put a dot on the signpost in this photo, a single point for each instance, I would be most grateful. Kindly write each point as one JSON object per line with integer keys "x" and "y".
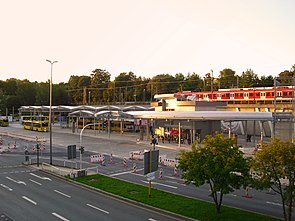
{"x": 151, "y": 162}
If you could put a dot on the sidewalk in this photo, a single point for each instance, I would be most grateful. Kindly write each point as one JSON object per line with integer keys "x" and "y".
{"x": 127, "y": 136}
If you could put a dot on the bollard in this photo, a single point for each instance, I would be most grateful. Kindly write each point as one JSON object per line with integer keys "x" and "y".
{"x": 124, "y": 162}
{"x": 175, "y": 171}
{"x": 161, "y": 173}
{"x": 134, "y": 168}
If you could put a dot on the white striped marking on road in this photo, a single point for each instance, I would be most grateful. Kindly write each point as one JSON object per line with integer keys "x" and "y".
{"x": 272, "y": 203}
{"x": 62, "y": 193}
{"x": 151, "y": 219}
{"x": 42, "y": 178}
{"x": 6, "y": 187}
{"x": 18, "y": 182}
{"x": 125, "y": 172}
{"x": 40, "y": 184}
{"x": 161, "y": 184}
{"x": 60, "y": 217}
{"x": 28, "y": 199}
{"x": 94, "y": 207}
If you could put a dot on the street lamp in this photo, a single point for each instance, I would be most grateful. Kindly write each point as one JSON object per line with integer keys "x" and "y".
{"x": 50, "y": 109}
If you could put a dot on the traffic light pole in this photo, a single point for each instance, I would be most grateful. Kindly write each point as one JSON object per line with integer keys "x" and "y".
{"x": 82, "y": 148}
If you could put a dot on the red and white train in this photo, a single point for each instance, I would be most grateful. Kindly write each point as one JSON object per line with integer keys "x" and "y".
{"x": 258, "y": 94}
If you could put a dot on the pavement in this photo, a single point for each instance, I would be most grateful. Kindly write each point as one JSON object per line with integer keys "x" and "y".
{"x": 246, "y": 147}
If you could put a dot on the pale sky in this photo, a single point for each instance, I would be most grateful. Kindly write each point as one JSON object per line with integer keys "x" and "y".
{"x": 147, "y": 37}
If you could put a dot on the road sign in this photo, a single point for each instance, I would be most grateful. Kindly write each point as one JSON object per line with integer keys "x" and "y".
{"x": 151, "y": 161}
{"x": 150, "y": 176}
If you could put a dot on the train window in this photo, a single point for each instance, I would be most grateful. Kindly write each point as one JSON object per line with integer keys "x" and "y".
{"x": 236, "y": 95}
{"x": 279, "y": 94}
{"x": 227, "y": 95}
{"x": 241, "y": 94}
{"x": 284, "y": 94}
{"x": 246, "y": 94}
{"x": 272, "y": 94}
{"x": 214, "y": 96}
{"x": 267, "y": 93}
{"x": 262, "y": 94}
{"x": 257, "y": 94}
{"x": 218, "y": 95}
{"x": 251, "y": 94}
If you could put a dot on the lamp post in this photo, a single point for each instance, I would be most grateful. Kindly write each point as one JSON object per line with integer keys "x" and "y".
{"x": 50, "y": 109}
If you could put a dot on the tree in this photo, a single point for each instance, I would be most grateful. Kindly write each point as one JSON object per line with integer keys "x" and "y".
{"x": 228, "y": 79}
{"x": 275, "y": 166}
{"x": 125, "y": 83}
{"x": 163, "y": 84}
{"x": 266, "y": 81}
{"x": 287, "y": 77}
{"x": 249, "y": 79}
{"x": 219, "y": 163}
{"x": 100, "y": 80}
{"x": 193, "y": 82}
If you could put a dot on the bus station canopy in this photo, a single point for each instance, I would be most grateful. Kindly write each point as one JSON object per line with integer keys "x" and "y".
{"x": 203, "y": 115}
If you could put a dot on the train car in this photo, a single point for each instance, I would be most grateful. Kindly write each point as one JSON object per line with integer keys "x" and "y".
{"x": 4, "y": 122}
{"x": 41, "y": 126}
{"x": 259, "y": 94}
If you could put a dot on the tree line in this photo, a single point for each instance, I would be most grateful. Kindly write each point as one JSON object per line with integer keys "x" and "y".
{"x": 98, "y": 88}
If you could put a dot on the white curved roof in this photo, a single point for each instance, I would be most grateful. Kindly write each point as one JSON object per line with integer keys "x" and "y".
{"x": 203, "y": 115}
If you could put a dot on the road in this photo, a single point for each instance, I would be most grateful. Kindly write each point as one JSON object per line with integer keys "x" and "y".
{"x": 261, "y": 201}
{"x": 28, "y": 194}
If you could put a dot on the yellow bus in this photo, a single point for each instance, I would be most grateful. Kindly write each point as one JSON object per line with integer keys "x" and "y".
{"x": 41, "y": 126}
{"x": 127, "y": 126}
{"x": 4, "y": 122}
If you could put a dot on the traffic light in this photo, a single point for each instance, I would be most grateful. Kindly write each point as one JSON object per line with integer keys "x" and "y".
{"x": 105, "y": 124}
{"x": 82, "y": 149}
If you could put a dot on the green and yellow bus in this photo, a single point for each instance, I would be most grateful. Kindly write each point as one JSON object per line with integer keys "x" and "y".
{"x": 4, "y": 122}
{"x": 41, "y": 126}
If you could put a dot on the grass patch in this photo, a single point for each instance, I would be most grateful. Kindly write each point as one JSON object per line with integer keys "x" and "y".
{"x": 185, "y": 206}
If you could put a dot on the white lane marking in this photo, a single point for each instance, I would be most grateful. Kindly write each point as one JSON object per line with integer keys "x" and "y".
{"x": 62, "y": 193}
{"x": 6, "y": 187}
{"x": 18, "y": 182}
{"x": 272, "y": 203}
{"x": 42, "y": 178}
{"x": 151, "y": 219}
{"x": 60, "y": 217}
{"x": 126, "y": 172}
{"x": 161, "y": 184}
{"x": 40, "y": 184}
{"x": 94, "y": 207}
{"x": 28, "y": 199}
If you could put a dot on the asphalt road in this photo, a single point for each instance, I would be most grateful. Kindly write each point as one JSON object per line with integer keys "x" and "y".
{"x": 28, "y": 194}
{"x": 261, "y": 201}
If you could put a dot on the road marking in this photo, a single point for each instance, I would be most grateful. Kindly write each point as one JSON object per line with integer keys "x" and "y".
{"x": 40, "y": 184}
{"x": 29, "y": 200}
{"x": 6, "y": 187}
{"x": 118, "y": 174}
{"x": 161, "y": 184}
{"x": 94, "y": 207}
{"x": 18, "y": 182}
{"x": 272, "y": 203}
{"x": 151, "y": 219}
{"x": 42, "y": 178}
{"x": 60, "y": 217}
{"x": 62, "y": 193}
{"x": 126, "y": 172}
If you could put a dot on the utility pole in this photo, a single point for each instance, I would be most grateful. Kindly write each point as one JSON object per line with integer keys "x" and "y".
{"x": 212, "y": 84}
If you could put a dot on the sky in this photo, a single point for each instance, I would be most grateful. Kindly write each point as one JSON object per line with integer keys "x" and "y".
{"x": 146, "y": 37}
